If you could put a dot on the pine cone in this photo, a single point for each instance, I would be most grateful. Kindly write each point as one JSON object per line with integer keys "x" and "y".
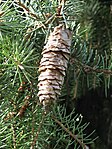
{"x": 53, "y": 65}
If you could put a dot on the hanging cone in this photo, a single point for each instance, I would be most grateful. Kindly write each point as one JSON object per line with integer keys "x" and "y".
{"x": 53, "y": 65}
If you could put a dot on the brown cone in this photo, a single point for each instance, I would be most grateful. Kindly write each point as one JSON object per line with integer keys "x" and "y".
{"x": 53, "y": 65}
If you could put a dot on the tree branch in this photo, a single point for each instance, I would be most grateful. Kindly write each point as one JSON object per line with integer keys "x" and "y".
{"x": 27, "y": 9}
{"x": 89, "y": 69}
{"x": 70, "y": 133}
{"x": 39, "y": 128}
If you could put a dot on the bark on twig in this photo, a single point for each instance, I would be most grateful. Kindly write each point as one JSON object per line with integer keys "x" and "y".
{"x": 89, "y": 69}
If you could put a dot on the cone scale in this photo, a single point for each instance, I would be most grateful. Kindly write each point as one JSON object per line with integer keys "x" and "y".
{"x": 53, "y": 65}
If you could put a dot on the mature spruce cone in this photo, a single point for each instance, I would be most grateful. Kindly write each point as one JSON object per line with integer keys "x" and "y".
{"x": 53, "y": 65}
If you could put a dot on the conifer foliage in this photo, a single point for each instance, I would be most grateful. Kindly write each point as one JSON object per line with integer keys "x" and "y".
{"x": 26, "y": 78}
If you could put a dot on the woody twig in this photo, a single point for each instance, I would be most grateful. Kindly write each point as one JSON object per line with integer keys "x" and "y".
{"x": 89, "y": 69}
{"x": 27, "y": 9}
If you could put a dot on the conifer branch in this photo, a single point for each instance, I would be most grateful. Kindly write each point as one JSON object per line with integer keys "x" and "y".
{"x": 89, "y": 69}
{"x": 27, "y": 9}
{"x": 69, "y": 132}
{"x": 19, "y": 62}
{"x": 39, "y": 129}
